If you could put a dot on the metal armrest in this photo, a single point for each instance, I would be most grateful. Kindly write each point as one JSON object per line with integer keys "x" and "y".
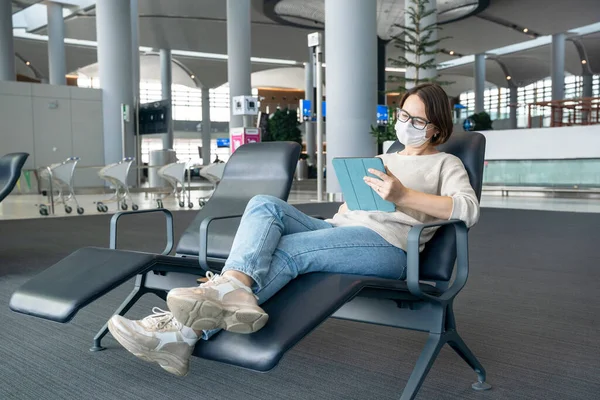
{"x": 462, "y": 260}
{"x": 202, "y": 252}
{"x": 169, "y": 216}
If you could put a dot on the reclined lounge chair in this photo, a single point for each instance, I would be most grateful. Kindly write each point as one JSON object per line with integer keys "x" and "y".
{"x": 10, "y": 171}
{"x": 424, "y": 302}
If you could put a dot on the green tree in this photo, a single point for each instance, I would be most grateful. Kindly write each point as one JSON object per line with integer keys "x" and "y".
{"x": 418, "y": 41}
{"x": 283, "y": 126}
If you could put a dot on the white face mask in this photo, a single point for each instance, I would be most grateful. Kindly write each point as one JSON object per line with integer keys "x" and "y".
{"x": 408, "y": 135}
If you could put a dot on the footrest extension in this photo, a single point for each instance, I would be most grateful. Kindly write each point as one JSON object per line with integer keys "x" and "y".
{"x": 77, "y": 280}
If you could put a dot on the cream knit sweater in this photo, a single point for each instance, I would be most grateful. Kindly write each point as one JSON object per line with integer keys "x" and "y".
{"x": 441, "y": 174}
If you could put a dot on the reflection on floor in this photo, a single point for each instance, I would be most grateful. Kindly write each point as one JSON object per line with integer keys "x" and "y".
{"x": 26, "y": 206}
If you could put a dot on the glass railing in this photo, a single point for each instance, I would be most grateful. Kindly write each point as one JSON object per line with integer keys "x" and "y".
{"x": 581, "y": 173}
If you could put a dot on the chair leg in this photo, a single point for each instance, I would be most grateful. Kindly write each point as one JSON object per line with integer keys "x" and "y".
{"x": 162, "y": 294}
{"x": 456, "y": 342}
{"x": 424, "y": 363}
{"x": 133, "y": 297}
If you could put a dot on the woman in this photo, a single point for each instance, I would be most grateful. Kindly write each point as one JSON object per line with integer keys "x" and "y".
{"x": 275, "y": 242}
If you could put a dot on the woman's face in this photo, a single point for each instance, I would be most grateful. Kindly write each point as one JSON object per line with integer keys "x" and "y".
{"x": 416, "y": 108}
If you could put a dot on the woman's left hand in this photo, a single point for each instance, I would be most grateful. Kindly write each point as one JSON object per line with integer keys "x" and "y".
{"x": 388, "y": 187}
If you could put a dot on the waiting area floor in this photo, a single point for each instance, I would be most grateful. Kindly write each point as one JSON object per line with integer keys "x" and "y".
{"x": 529, "y": 312}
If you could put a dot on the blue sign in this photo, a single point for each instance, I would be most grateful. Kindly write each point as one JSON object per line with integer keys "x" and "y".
{"x": 223, "y": 142}
{"x": 306, "y": 107}
{"x": 382, "y": 114}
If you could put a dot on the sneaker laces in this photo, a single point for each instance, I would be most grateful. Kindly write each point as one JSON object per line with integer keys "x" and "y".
{"x": 213, "y": 278}
{"x": 216, "y": 279}
{"x": 160, "y": 319}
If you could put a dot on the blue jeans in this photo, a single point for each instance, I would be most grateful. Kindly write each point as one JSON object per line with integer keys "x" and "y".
{"x": 276, "y": 242}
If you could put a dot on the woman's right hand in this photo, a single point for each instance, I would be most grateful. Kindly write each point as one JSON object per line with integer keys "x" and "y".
{"x": 343, "y": 209}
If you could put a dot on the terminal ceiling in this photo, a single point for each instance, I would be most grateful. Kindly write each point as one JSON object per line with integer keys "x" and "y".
{"x": 200, "y": 26}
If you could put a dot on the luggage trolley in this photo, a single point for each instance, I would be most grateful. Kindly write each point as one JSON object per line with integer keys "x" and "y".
{"x": 116, "y": 174}
{"x": 174, "y": 174}
{"x": 60, "y": 178}
{"x": 212, "y": 173}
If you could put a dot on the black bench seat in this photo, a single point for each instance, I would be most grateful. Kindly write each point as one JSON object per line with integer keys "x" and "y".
{"x": 301, "y": 306}
{"x": 267, "y": 168}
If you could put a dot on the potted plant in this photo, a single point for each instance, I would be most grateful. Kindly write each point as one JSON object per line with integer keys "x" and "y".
{"x": 385, "y": 135}
{"x": 283, "y": 126}
{"x": 482, "y": 120}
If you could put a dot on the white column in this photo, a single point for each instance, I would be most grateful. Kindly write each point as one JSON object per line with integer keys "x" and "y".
{"x": 479, "y": 73}
{"x": 238, "y": 51}
{"x": 412, "y": 72}
{"x": 135, "y": 50}
{"x": 135, "y": 71}
{"x": 514, "y": 91}
{"x": 7, "y": 46}
{"x": 587, "y": 92}
{"x": 309, "y": 126}
{"x": 206, "y": 126}
{"x": 113, "y": 31}
{"x": 351, "y": 76}
{"x": 56, "y": 44}
{"x": 588, "y": 80}
{"x": 557, "y": 67}
{"x": 166, "y": 79}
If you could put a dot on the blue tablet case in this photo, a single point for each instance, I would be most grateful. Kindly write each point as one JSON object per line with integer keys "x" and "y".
{"x": 350, "y": 172}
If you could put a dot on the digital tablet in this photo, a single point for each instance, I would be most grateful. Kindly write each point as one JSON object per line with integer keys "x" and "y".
{"x": 350, "y": 172}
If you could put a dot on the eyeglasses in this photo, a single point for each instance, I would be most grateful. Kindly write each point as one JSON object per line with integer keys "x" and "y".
{"x": 417, "y": 122}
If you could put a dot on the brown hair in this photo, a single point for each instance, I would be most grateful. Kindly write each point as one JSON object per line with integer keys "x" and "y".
{"x": 437, "y": 109}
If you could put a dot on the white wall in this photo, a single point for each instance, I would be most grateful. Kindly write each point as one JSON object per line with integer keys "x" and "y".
{"x": 52, "y": 123}
{"x": 543, "y": 143}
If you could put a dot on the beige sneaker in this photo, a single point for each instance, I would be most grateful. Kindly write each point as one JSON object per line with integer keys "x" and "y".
{"x": 222, "y": 302}
{"x": 157, "y": 338}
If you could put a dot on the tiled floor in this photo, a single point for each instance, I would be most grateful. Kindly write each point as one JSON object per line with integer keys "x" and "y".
{"x": 27, "y": 206}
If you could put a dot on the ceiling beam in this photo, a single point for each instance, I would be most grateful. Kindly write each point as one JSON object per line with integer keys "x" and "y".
{"x": 35, "y": 17}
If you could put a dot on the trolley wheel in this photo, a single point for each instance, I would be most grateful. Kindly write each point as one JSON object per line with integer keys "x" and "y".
{"x": 43, "y": 210}
{"x": 134, "y": 207}
{"x": 68, "y": 209}
{"x": 181, "y": 204}
{"x": 201, "y": 203}
{"x": 124, "y": 206}
{"x": 104, "y": 208}
{"x": 191, "y": 205}
{"x": 159, "y": 203}
{"x": 80, "y": 210}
